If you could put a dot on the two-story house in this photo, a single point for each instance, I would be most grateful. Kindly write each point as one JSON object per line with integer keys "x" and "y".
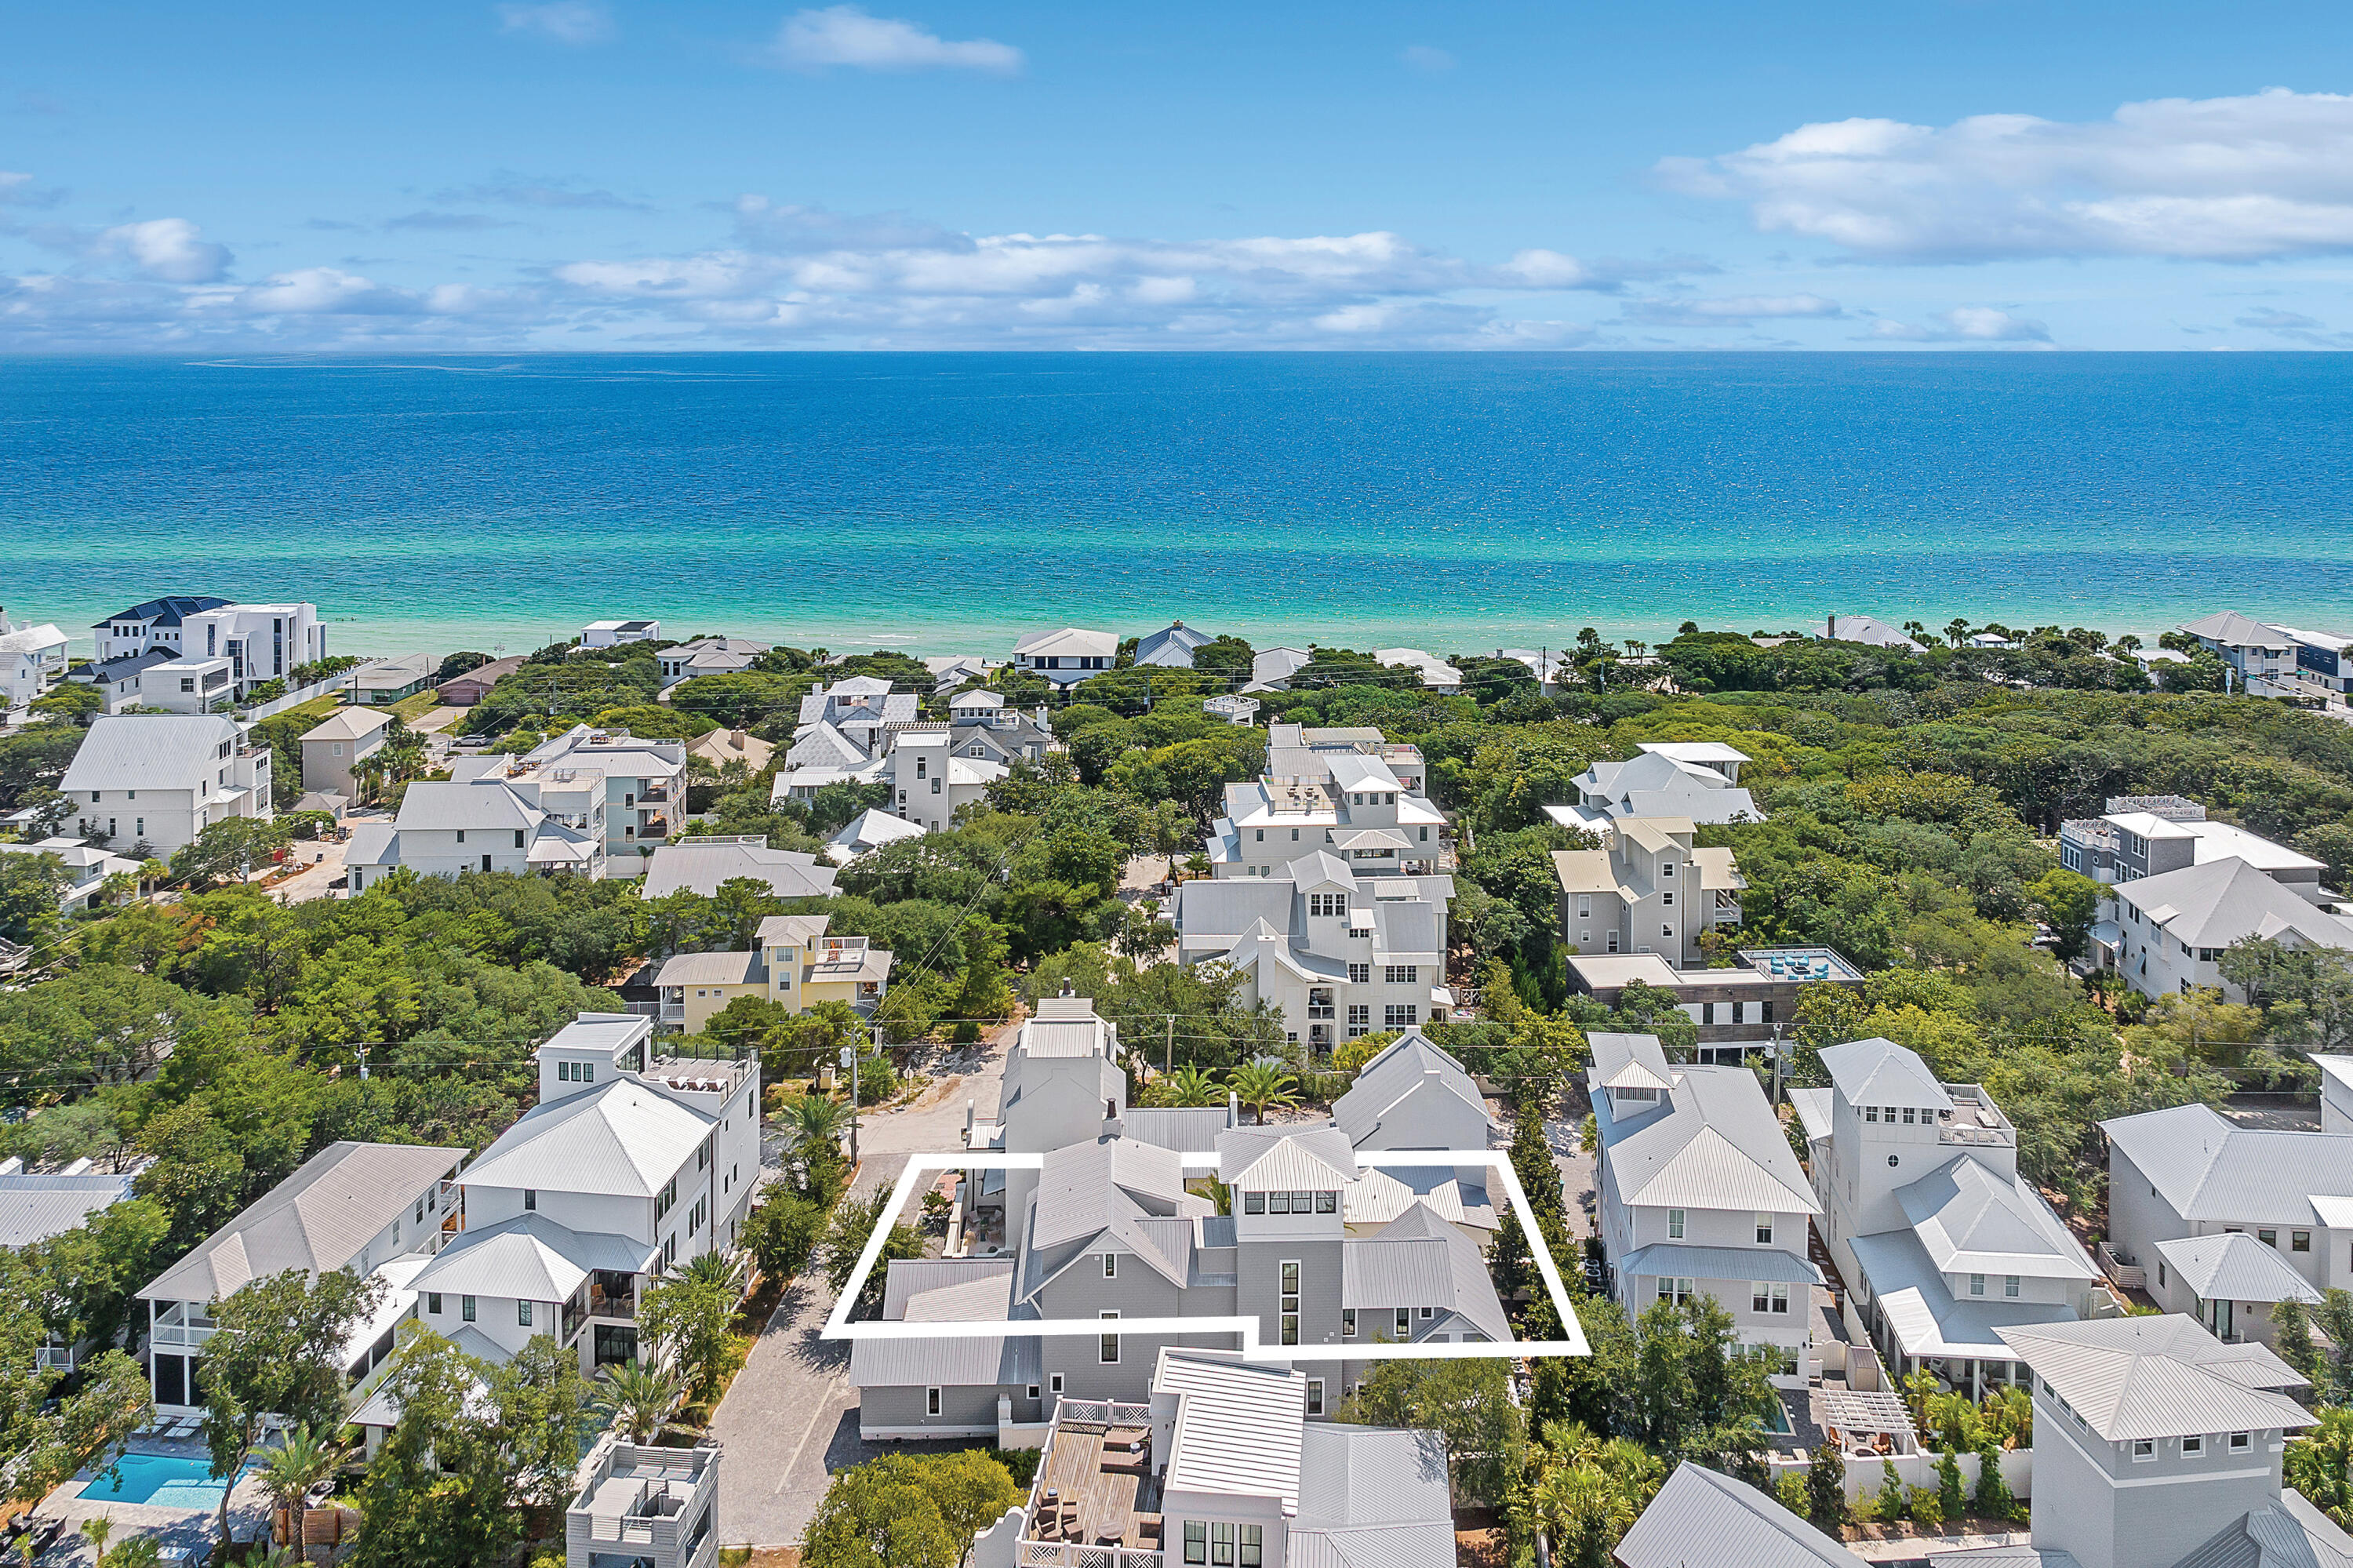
{"x": 1941, "y": 1241}
{"x": 87, "y": 867}
{"x": 616, "y": 633}
{"x": 2252, "y": 650}
{"x": 1699, "y": 1194}
{"x": 1222, "y": 1462}
{"x": 1695, "y": 780}
{"x": 2190, "y": 1172}
{"x": 379, "y": 1209}
{"x": 159, "y": 780}
{"x": 2148, "y": 835}
{"x": 795, "y": 965}
{"x": 445, "y": 829}
{"x": 1340, "y": 954}
{"x": 32, "y": 662}
{"x": 336, "y": 747}
{"x": 629, "y": 1166}
{"x": 1066, "y": 656}
{"x": 1650, "y": 890}
{"x": 2167, "y": 934}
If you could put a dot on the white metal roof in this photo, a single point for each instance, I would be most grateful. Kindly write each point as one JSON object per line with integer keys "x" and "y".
{"x": 529, "y": 1257}
{"x": 2159, "y": 1377}
{"x": 2236, "y": 1267}
{"x": 620, "y": 1138}
{"x": 1880, "y": 1072}
{"x": 2232, "y": 630}
{"x": 150, "y": 751}
{"x": 1972, "y": 1219}
{"x": 2207, "y": 1167}
{"x": 1630, "y": 1060}
{"x": 1238, "y": 1425}
{"x": 1286, "y": 1158}
{"x": 1711, "y": 1143}
{"x": 1701, "y": 1517}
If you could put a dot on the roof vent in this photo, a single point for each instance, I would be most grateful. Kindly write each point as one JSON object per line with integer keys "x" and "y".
{"x": 1067, "y": 990}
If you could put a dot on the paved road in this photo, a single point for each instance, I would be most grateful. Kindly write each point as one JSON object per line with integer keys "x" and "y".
{"x": 790, "y": 1419}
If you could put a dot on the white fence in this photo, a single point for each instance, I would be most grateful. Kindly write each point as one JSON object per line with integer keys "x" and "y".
{"x": 1864, "y": 1473}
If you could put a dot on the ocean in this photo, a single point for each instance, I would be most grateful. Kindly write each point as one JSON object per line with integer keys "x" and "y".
{"x": 949, "y": 503}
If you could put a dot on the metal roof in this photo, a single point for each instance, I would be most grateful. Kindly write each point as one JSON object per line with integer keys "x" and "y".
{"x": 1420, "y": 1260}
{"x": 1286, "y": 1159}
{"x": 1187, "y": 1129}
{"x": 1407, "y": 1065}
{"x": 1927, "y": 1318}
{"x": 1973, "y": 1219}
{"x": 169, "y": 611}
{"x": 621, "y": 1140}
{"x": 487, "y": 805}
{"x": 704, "y": 864}
{"x": 2291, "y": 1534}
{"x": 710, "y": 968}
{"x": 529, "y": 1257}
{"x": 1711, "y": 1142}
{"x": 1629, "y": 1062}
{"x": 2159, "y": 1377}
{"x": 2214, "y": 904}
{"x": 316, "y": 1220}
{"x": 1880, "y": 1072}
{"x": 2236, "y": 1267}
{"x": 2235, "y": 631}
{"x": 1376, "y": 1494}
{"x": 33, "y": 1208}
{"x": 350, "y": 724}
{"x": 1702, "y": 1517}
{"x": 985, "y": 1362}
{"x": 2207, "y": 1167}
{"x": 909, "y": 1277}
{"x": 1238, "y": 1429}
{"x": 153, "y": 751}
{"x": 1676, "y": 1260}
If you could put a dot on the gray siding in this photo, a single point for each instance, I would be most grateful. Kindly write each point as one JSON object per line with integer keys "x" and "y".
{"x": 1258, "y": 1290}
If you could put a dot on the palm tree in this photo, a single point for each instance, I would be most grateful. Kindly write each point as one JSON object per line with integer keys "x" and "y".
{"x": 814, "y": 1119}
{"x": 290, "y": 1471}
{"x": 97, "y": 1530}
{"x": 714, "y": 1271}
{"x": 1262, "y": 1086}
{"x": 1188, "y": 1085}
{"x": 639, "y": 1397}
{"x": 1956, "y": 630}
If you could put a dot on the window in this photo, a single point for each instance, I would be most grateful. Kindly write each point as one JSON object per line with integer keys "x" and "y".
{"x": 1977, "y": 1284}
{"x": 2241, "y": 1442}
{"x": 1347, "y": 1322}
{"x": 2299, "y": 1241}
{"x": 1360, "y": 1015}
{"x": 1870, "y": 1113}
{"x": 1585, "y": 906}
{"x": 1666, "y": 930}
{"x": 461, "y": 835}
{"x": 1253, "y": 1202}
{"x": 1054, "y": 1383}
{"x": 2144, "y": 1448}
{"x": 1404, "y": 1325}
{"x": 523, "y": 1314}
{"x": 1360, "y": 974}
{"x": 2009, "y": 1287}
{"x": 1033, "y": 1390}
{"x": 1221, "y": 1543}
{"x": 2191, "y": 1446}
{"x": 1109, "y": 1341}
{"x": 931, "y": 1402}
{"x": 1290, "y": 1301}
{"x": 1323, "y": 906}
{"x": 1403, "y": 974}
{"x": 1260, "y": 837}
{"x": 1781, "y": 1298}
{"x": 466, "y": 1309}
{"x": 1674, "y": 1291}
{"x": 1399, "y": 1016}
{"x": 1764, "y": 1230}
{"x": 433, "y": 1303}
{"x": 2269, "y": 1238}
{"x": 1254, "y": 1546}
{"x": 1111, "y": 1265}
{"x": 1887, "y": 1115}
{"x": 1291, "y": 1327}
{"x": 1667, "y": 899}
{"x": 1314, "y": 1396}
{"x": 1196, "y": 1540}
{"x": 518, "y": 838}
{"x": 1674, "y": 1224}
{"x": 530, "y": 1200}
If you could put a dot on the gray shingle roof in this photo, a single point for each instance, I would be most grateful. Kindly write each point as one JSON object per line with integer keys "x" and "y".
{"x": 2207, "y": 1167}
{"x": 317, "y": 1219}
{"x": 350, "y": 724}
{"x": 1701, "y": 1517}
{"x": 150, "y": 751}
{"x": 2159, "y": 1377}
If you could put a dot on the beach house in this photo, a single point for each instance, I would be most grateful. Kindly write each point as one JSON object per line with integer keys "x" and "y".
{"x": 158, "y": 780}
{"x": 1066, "y": 656}
{"x": 32, "y": 662}
{"x": 333, "y": 750}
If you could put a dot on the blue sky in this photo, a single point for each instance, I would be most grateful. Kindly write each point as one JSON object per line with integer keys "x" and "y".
{"x": 931, "y": 174}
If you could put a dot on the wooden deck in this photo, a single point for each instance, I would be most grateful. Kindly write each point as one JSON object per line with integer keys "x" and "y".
{"x": 1111, "y": 1483}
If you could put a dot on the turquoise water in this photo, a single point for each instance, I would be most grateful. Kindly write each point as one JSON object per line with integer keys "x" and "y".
{"x": 946, "y": 503}
{"x": 160, "y": 1480}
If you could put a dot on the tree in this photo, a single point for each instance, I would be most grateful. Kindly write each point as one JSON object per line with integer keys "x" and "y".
{"x": 813, "y": 1121}
{"x": 541, "y": 1407}
{"x": 1263, "y": 1086}
{"x": 1467, "y": 1403}
{"x": 1187, "y": 1085}
{"x": 30, "y": 885}
{"x": 277, "y": 1351}
{"x": 686, "y": 1317}
{"x": 437, "y": 1491}
{"x": 1826, "y": 1490}
{"x": 1949, "y": 1497}
{"x": 846, "y": 1238}
{"x": 783, "y": 1233}
{"x": 638, "y": 1398}
{"x": 228, "y": 851}
{"x": 289, "y": 1471}
{"x": 2319, "y": 1463}
{"x": 893, "y": 1512}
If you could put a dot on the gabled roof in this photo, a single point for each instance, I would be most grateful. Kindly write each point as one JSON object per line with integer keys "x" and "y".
{"x": 2159, "y": 1377}
{"x": 489, "y": 806}
{"x": 529, "y": 1257}
{"x": 710, "y": 968}
{"x": 150, "y": 751}
{"x": 1286, "y": 1159}
{"x": 702, "y": 864}
{"x": 2207, "y": 1167}
{"x": 1406, "y": 1066}
{"x": 1972, "y": 1219}
{"x": 1880, "y": 1072}
{"x": 871, "y": 830}
{"x": 1110, "y": 1188}
{"x": 2214, "y": 903}
{"x": 1172, "y": 647}
{"x": 34, "y": 1207}
{"x": 2236, "y": 1267}
{"x": 1699, "y": 1516}
{"x": 1629, "y": 1062}
{"x": 822, "y": 745}
{"x": 1371, "y": 1496}
{"x": 318, "y": 1219}
{"x": 1238, "y": 1425}
{"x": 2232, "y": 630}
{"x": 1713, "y": 1143}
{"x": 621, "y": 1139}
{"x": 1418, "y": 1259}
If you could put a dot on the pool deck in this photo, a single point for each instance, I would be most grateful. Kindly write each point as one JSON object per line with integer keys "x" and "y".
{"x": 248, "y": 1507}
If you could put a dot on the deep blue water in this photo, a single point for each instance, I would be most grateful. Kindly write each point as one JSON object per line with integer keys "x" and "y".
{"x": 947, "y": 502}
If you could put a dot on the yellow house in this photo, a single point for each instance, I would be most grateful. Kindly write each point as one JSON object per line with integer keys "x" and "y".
{"x": 797, "y": 965}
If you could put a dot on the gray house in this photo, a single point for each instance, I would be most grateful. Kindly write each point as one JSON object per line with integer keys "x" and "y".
{"x": 1413, "y": 1096}
{"x": 2190, "y": 1171}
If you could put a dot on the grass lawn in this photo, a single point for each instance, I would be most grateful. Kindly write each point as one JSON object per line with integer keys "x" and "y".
{"x": 412, "y": 708}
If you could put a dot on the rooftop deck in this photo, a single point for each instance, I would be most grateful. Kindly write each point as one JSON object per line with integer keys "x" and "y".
{"x": 1095, "y": 1489}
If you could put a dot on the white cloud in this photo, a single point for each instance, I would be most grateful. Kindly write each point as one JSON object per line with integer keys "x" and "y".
{"x": 573, "y": 22}
{"x": 848, "y": 35}
{"x": 168, "y": 249}
{"x": 1967, "y": 324}
{"x": 1735, "y": 311}
{"x": 19, "y": 190}
{"x": 2223, "y": 179}
{"x": 1423, "y": 57}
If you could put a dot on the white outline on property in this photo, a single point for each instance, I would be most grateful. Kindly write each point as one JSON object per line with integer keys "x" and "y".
{"x": 837, "y": 1326}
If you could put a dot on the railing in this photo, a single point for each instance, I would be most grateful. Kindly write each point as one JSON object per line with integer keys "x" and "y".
{"x": 1102, "y": 1412}
{"x": 181, "y": 1335}
{"x": 1072, "y": 1554}
{"x": 2120, "y": 1268}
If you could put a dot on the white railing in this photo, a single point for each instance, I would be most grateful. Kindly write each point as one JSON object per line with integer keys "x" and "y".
{"x": 1107, "y": 1412}
{"x": 1074, "y": 1555}
{"x": 181, "y": 1334}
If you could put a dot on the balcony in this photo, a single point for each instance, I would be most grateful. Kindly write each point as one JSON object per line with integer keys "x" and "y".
{"x": 1095, "y": 1504}
{"x": 653, "y": 828}
{"x": 654, "y": 795}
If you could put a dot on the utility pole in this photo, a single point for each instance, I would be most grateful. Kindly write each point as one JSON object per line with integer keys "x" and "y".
{"x": 1171, "y": 1049}
{"x": 849, "y": 1060}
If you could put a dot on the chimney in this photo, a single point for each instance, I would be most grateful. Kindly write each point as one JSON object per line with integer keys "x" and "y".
{"x": 1067, "y": 990}
{"x": 735, "y": 738}
{"x": 1832, "y": 629}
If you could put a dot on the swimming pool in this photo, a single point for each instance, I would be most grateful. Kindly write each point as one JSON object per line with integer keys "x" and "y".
{"x": 160, "y": 1480}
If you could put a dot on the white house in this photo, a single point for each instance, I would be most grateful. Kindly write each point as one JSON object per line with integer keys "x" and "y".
{"x": 32, "y": 661}
{"x": 871, "y": 830}
{"x": 1067, "y": 656}
{"x": 260, "y": 641}
{"x": 2191, "y": 1171}
{"x": 629, "y": 1166}
{"x": 2252, "y": 650}
{"x": 928, "y": 783}
{"x": 1865, "y": 629}
{"x": 445, "y": 828}
{"x": 614, "y": 633}
{"x": 1339, "y": 954}
{"x": 701, "y": 865}
{"x": 1650, "y": 890}
{"x": 2166, "y": 933}
{"x": 1697, "y": 780}
{"x": 1699, "y": 1194}
{"x": 707, "y": 656}
{"x": 642, "y": 784}
{"x": 154, "y": 626}
{"x": 1171, "y": 647}
{"x": 1435, "y": 672}
{"x": 2336, "y": 1092}
{"x": 1345, "y": 790}
{"x": 87, "y": 867}
{"x": 1941, "y": 1241}
{"x": 161, "y": 780}
{"x": 1413, "y": 1096}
